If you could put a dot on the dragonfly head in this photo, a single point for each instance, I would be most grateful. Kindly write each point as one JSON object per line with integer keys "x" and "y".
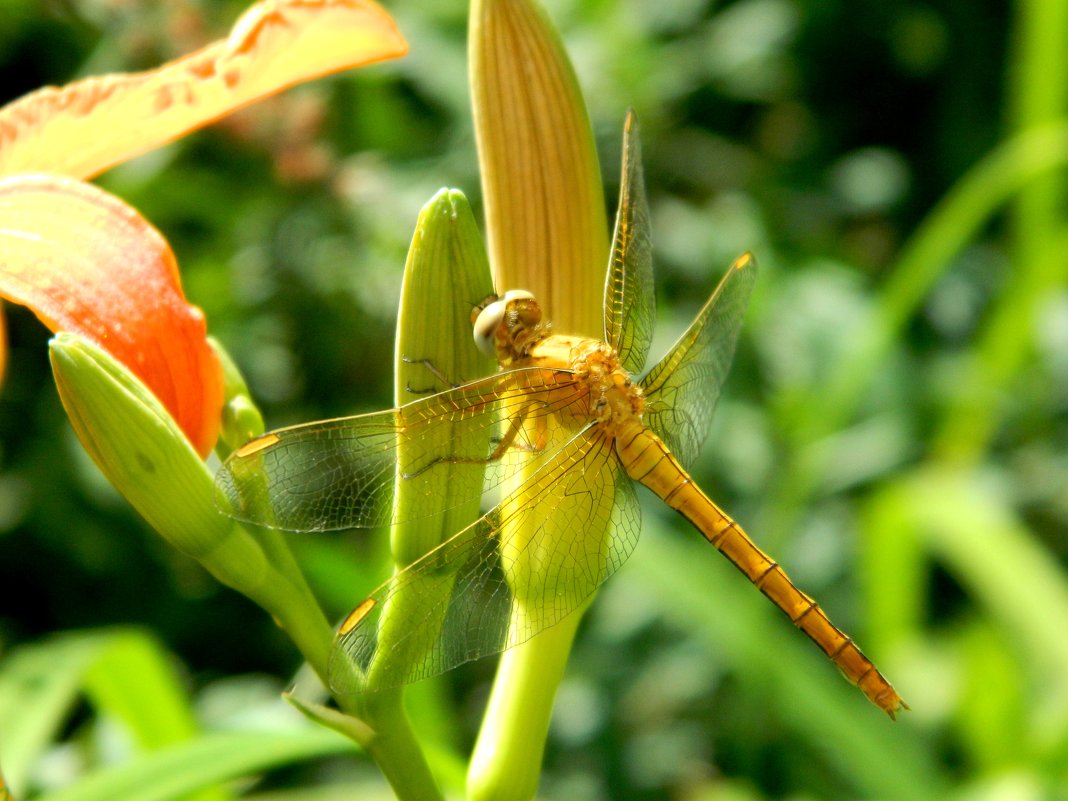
{"x": 508, "y": 325}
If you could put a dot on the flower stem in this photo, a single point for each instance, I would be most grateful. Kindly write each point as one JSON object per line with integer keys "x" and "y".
{"x": 506, "y": 761}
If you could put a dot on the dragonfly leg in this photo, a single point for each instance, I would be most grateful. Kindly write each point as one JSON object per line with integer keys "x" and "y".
{"x": 444, "y": 381}
{"x": 511, "y": 439}
{"x": 508, "y": 442}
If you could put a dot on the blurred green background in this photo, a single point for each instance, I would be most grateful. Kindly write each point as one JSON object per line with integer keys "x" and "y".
{"x": 894, "y": 431}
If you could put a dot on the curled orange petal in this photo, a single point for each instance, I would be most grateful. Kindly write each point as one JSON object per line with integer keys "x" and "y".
{"x": 85, "y": 127}
{"x": 86, "y": 262}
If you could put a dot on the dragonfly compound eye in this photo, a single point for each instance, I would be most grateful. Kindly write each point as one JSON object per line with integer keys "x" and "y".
{"x": 486, "y": 325}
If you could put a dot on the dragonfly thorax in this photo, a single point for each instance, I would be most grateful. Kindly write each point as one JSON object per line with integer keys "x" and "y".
{"x": 511, "y": 328}
{"x": 613, "y": 396}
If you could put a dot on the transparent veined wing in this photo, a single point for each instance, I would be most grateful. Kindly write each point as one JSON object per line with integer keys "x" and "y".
{"x": 486, "y": 589}
{"x": 340, "y": 473}
{"x": 682, "y": 389}
{"x": 629, "y": 295}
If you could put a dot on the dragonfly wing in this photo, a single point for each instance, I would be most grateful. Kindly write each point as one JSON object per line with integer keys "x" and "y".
{"x": 519, "y": 569}
{"x": 341, "y": 473}
{"x": 682, "y": 389}
{"x": 629, "y": 298}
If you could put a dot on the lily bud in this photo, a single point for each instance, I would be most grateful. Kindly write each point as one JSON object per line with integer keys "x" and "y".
{"x": 546, "y": 223}
{"x": 140, "y": 449}
{"x": 241, "y": 418}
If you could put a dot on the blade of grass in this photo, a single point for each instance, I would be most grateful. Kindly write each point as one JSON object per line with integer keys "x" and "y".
{"x": 178, "y": 770}
{"x": 38, "y": 686}
{"x": 1012, "y": 166}
{"x": 979, "y": 538}
{"x": 994, "y": 723}
{"x": 893, "y": 566}
{"x": 1039, "y": 96}
{"x": 125, "y": 673}
{"x": 133, "y": 680}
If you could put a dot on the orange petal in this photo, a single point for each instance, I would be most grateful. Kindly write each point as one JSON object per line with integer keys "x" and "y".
{"x": 84, "y": 261}
{"x": 85, "y": 127}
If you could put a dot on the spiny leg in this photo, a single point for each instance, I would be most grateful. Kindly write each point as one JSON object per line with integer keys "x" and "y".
{"x": 433, "y": 369}
{"x": 506, "y": 443}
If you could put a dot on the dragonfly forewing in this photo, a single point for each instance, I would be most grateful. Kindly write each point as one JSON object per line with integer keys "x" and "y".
{"x": 340, "y": 473}
{"x": 630, "y": 297}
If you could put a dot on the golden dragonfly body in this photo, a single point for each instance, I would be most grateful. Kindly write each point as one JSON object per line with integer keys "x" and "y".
{"x": 568, "y": 430}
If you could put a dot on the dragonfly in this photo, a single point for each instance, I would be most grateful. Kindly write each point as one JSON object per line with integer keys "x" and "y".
{"x": 563, "y": 432}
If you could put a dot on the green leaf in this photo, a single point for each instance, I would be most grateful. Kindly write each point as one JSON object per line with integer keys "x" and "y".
{"x": 893, "y": 570}
{"x": 993, "y": 723}
{"x": 174, "y": 772}
{"x": 330, "y": 718}
{"x": 133, "y": 680}
{"x": 979, "y": 538}
{"x": 39, "y": 685}
{"x": 126, "y": 675}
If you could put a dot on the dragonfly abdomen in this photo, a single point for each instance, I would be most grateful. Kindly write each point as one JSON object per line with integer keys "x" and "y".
{"x": 648, "y": 461}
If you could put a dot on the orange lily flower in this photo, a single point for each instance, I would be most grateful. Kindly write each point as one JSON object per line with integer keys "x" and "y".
{"x": 86, "y": 262}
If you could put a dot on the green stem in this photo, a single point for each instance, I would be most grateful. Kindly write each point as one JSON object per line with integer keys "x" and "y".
{"x": 506, "y": 761}
{"x": 393, "y": 746}
{"x": 295, "y": 608}
{"x": 390, "y": 741}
